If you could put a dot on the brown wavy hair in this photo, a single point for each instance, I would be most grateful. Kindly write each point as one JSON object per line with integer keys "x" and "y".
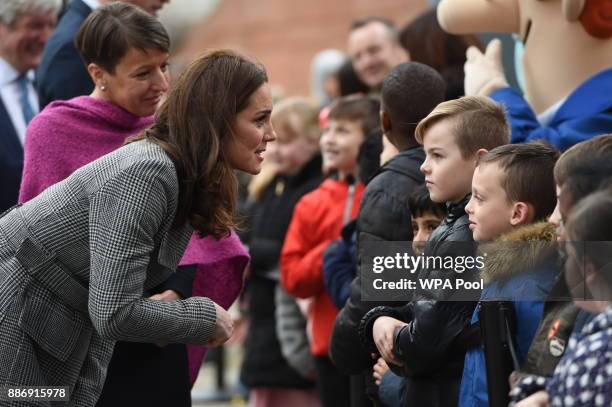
{"x": 190, "y": 125}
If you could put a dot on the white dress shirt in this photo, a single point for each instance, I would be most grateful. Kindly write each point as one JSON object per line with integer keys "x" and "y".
{"x": 546, "y": 116}
{"x": 10, "y": 94}
{"x": 92, "y": 4}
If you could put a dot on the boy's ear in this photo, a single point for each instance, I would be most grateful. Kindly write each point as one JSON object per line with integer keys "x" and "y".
{"x": 481, "y": 152}
{"x": 522, "y": 213}
{"x": 385, "y": 122}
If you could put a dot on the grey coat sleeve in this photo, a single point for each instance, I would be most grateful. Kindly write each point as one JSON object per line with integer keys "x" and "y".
{"x": 291, "y": 331}
{"x": 125, "y": 216}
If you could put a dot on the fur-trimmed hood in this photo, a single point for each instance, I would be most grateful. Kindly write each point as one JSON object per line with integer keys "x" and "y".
{"x": 519, "y": 251}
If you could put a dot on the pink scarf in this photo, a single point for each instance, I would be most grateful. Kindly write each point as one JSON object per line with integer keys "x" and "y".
{"x": 219, "y": 276}
{"x": 68, "y": 134}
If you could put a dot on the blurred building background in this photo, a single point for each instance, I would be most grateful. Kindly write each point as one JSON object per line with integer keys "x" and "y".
{"x": 282, "y": 34}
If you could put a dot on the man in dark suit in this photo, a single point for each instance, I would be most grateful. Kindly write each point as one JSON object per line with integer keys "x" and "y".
{"x": 25, "y": 27}
{"x": 62, "y": 74}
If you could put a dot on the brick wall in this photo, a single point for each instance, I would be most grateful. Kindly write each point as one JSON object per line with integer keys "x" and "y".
{"x": 285, "y": 34}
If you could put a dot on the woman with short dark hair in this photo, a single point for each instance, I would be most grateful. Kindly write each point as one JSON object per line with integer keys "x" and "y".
{"x": 126, "y": 52}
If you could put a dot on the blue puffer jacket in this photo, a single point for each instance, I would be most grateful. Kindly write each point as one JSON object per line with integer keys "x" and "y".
{"x": 512, "y": 272}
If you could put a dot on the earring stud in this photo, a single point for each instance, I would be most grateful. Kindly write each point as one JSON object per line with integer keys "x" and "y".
{"x": 103, "y": 88}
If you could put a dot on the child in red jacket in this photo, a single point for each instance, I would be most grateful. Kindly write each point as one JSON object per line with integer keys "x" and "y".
{"x": 317, "y": 220}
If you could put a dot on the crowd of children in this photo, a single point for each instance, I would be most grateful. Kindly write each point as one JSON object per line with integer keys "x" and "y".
{"x": 413, "y": 161}
{"x": 454, "y": 178}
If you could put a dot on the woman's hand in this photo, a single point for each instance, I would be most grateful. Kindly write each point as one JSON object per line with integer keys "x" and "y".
{"x": 515, "y": 378}
{"x": 168, "y": 295}
{"x": 224, "y": 328}
{"x": 379, "y": 370}
{"x": 539, "y": 399}
{"x": 382, "y": 333}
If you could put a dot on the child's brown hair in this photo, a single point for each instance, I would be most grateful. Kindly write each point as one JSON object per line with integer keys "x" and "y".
{"x": 362, "y": 109}
{"x": 594, "y": 148}
{"x": 528, "y": 174}
{"x": 588, "y": 228}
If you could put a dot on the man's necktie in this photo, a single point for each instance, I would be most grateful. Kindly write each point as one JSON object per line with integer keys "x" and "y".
{"x": 24, "y": 100}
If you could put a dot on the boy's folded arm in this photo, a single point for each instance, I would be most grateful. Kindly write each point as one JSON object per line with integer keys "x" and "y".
{"x": 403, "y": 313}
{"x": 423, "y": 344}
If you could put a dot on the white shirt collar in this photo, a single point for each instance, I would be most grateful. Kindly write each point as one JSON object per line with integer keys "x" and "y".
{"x": 92, "y": 4}
{"x": 10, "y": 94}
{"x": 8, "y": 74}
{"x": 546, "y": 116}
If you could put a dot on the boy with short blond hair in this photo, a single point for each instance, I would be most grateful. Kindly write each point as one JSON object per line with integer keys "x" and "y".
{"x": 454, "y": 135}
{"x": 420, "y": 335}
{"x": 478, "y": 122}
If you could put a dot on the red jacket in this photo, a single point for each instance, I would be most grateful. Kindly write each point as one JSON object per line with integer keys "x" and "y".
{"x": 317, "y": 220}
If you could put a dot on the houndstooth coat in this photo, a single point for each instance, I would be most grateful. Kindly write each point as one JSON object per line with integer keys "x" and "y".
{"x": 74, "y": 263}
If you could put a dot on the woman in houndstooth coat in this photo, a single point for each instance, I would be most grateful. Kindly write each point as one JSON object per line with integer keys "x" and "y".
{"x": 75, "y": 260}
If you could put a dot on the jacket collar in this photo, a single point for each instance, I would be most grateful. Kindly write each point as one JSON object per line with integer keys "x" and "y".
{"x": 519, "y": 251}
{"x": 403, "y": 163}
{"x": 9, "y": 74}
{"x": 455, "y": 210}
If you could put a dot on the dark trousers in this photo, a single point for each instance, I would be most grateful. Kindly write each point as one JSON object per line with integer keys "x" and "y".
{"x": 364, "y": 392}
{"x": 334, "y": 387}
{"x": 144, "y": 374}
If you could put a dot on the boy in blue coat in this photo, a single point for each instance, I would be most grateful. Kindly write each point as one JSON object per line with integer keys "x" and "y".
{"x": 513, "y": 190}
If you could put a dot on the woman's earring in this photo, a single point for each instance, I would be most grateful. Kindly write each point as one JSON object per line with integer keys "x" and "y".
{"x": 103, "y": 88}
